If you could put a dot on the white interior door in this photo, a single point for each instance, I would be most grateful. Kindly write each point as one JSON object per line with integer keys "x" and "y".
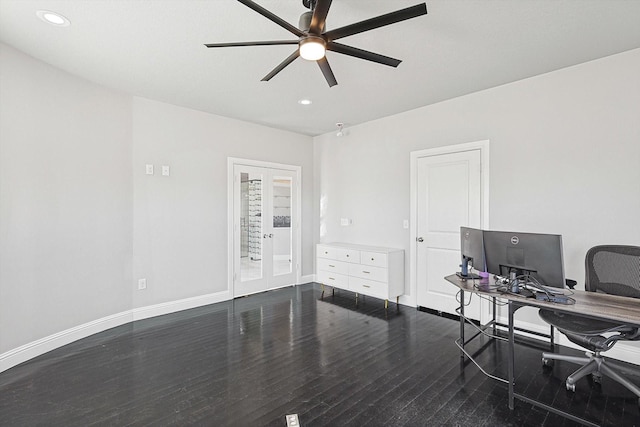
{"x": 264, "y": 235}
{"x": 448, "y": 196}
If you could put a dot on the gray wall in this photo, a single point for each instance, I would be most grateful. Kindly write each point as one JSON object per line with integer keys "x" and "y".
{"x": 65, "y": 200}
{"x": 79, "y": 219}
{"x": 180, "y": 222}
{"x": 564, "y": 158}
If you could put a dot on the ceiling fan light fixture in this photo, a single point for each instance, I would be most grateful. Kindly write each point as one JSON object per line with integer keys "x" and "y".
{"x": 312, "y": 48}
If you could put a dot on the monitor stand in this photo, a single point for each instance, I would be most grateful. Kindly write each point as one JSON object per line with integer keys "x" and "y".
{"x": 515, "y": 286}
{"x": 464, "y": 271}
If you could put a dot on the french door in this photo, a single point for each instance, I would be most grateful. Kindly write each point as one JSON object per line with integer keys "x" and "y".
{"x": 265, "y": 222}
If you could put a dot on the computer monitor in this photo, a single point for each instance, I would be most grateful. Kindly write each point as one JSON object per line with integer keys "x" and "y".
{"x": 511, "y": 254}
{"x": 472, "y": 252}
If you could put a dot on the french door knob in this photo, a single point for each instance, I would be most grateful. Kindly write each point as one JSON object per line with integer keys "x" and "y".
{"x": 420, "y": 239}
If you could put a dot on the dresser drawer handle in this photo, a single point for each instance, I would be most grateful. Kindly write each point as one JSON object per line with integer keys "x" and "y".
{"x": 332, "y": 266}
{"x": 347, "y": 255}
{"x": 331, "y": 278}
{"x": 366, "y": 286}
{"x": 325, "y": 252}
{"x": 366, "y": 272}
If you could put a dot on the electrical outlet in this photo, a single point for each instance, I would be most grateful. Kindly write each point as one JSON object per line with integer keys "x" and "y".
{"x": 142, "y": 284}
{"x": 149, "y": 169}
{"x": 405, "y": 223}
{"x": 165, "y": 170}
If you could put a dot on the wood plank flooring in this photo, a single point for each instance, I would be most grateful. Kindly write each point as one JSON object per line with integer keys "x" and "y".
{"x": 251, "y": 361}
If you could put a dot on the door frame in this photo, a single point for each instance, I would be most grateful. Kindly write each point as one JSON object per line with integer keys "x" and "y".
{"x": 483, "y": 146}
{"x": 231, "y": 163}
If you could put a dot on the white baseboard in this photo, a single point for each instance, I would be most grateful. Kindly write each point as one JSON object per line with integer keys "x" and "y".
{"x": 307, "y": 279}
{"x": 179, "y": 305}
{"x": 30, "y": 350}
{"x": 33, "y": 349}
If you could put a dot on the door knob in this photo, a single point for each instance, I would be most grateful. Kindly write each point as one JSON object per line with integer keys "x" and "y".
{"x": 420, "y": 239}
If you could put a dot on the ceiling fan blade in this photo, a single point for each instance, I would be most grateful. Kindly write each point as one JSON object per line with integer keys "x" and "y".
{"x": 326, "y": 70}
{"x": 363, "y": 54}
{"x": 319, "y": 16}
{"x": 281, "y": 66}
{"x": 264, "y": 12}
{"x": 377, "y": 22}
{"x": 260, "y": 43}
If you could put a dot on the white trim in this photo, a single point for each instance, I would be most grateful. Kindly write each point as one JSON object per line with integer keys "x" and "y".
{"x": 30, "y": 350}
{"x": 483, "y": 146}
{"x": 307, "y": 279}
{"x": 179, "y": 305}
{"x": 231, "y": 163}
{"x": 33, "y": 349}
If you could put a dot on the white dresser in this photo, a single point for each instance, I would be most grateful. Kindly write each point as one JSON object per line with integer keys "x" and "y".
{"x": 368, "y": 270}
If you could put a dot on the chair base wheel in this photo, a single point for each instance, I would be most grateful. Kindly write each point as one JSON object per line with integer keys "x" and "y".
{"x": 547, "y": 362}
{"x": 570, "y": 387}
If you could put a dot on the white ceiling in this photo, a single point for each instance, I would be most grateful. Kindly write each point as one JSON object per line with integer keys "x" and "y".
{"x": 154, "y": 49}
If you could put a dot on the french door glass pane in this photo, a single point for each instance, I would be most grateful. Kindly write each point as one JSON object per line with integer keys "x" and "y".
{"x": 282, "y": 235}
{"x": 251, "y": 227}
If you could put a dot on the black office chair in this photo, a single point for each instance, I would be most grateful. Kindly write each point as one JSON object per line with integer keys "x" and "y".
{"x": 611, "y": 269}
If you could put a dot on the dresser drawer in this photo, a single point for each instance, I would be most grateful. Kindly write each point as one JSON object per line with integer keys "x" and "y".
{"x": 369, "y": 272}
{"x": 375, "y": 259}
{"x": 332, "y": 279}
{"x": 332, "y": 265}
{"x": 369, "y": 287}
{"x": 348, "y": 255}
{"x": 326, "y": 252}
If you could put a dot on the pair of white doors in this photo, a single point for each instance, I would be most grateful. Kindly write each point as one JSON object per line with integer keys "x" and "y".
{"x": 450, "y": 191}
{"x": 265, "y": 227}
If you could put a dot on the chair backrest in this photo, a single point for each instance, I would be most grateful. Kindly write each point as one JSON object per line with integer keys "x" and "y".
{"x": 613, "y": 269}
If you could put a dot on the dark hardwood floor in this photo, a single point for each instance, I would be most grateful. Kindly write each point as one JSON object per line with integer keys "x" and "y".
{"x": 251, "y": 361}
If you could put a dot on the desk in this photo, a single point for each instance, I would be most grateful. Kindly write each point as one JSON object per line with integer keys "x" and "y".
{"x": 588, "y": 304}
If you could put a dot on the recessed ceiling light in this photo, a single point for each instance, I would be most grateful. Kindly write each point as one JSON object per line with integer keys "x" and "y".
{"x": 304, "y": 102}
{"x": 53, "y": 18}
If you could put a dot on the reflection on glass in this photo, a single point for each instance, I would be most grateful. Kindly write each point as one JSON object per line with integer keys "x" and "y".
{"x": 250, "y": 227}
{"x": 282, "y": 236}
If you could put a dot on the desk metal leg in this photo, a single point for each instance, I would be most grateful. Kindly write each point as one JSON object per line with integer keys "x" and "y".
{"x": 462, "y": 321}
{"x": 511, "y": 356}
{"x": 495, "y": 329}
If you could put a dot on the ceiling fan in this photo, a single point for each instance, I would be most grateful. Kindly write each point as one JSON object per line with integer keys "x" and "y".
{"x": 313, "y": 40}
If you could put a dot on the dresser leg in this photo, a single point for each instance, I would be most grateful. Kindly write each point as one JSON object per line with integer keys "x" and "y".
{"x": 386, "y": 304}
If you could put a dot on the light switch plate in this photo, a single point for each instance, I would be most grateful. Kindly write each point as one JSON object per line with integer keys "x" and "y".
{"x": 165, "y": 170}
